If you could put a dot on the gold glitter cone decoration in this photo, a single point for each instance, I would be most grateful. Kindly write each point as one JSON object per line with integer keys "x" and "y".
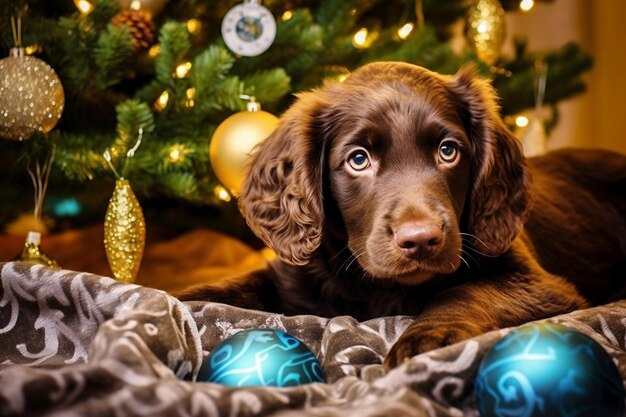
{"x": 233, "y": 141}
{"x": 33, "y": 254}
{"x": 486, "y": 29}
{"x": 124, "y": 224}
{"x": 31, "y": 96}
{"x": 124, "y": 232}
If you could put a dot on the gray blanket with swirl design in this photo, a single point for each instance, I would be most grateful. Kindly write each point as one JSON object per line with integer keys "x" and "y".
{"x": 76, "y": 344}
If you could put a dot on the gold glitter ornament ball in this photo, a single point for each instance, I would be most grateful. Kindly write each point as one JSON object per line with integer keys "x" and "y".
{"x": 486, "y": 27}
{"x": 233, "y": 142}
{"x": 31, "y": 96}
{"x": 124, "y": 232}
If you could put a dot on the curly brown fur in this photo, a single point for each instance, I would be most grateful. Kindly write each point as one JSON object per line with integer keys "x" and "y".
{"x": 400, "y": 191}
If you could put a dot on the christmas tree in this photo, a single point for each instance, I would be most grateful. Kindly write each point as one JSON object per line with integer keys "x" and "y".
{"x": 165, "y": 68}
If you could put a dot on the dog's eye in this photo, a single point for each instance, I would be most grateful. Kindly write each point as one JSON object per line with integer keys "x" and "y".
{"x": 359, "y": 160}
{"x": 448, "y": 151}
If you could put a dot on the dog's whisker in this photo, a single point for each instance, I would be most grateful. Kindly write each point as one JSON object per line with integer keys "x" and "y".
{"x": 474, "y": 237}
{"x": 347, "y": 246}
{"x": 355, "y": 257}
{"x": 469, "y": 255}
{"x": 468, "y": 247}
{"x": 464, "y": 261}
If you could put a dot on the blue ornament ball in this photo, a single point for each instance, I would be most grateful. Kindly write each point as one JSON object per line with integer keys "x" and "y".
{"x": 550, "y": 370}
{"x": 261, "y": 357}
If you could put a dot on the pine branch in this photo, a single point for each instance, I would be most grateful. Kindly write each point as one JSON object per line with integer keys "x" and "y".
{"x": 77, "y": 162}
{"x": 133, "y": 116}
{"x": 565, "y": 67}
{"x": 268, "y": 86}
{"x": 210, "y": 67}
{"x": 114, "y": 48}
{"x": 174, "y": 45}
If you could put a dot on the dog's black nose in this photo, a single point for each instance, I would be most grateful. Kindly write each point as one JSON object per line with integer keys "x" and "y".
{"x": 419, "y": 240}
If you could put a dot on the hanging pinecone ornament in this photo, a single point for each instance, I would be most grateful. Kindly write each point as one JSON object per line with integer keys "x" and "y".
{"x": 141, "y": 27}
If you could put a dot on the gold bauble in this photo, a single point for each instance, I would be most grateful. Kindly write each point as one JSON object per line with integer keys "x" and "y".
{"x": 31, "y": 96}
{"x": 124, "y": 232}
{"x": 153, "y": 7}
{"x": 233, "y": 141}
{"x": 486, "y": 29}
{"x": 32, "y": 253}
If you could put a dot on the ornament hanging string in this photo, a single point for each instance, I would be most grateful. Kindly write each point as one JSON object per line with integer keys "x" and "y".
{"x": 16, "y": 29}
{"x": 40, "y": 177}
{"x": 541, "y": 69}
{"x": 131, "y": 152}
{"x": 419, "y": 13}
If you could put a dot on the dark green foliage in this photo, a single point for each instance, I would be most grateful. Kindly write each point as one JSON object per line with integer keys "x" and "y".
{"x": 111, "y": 89}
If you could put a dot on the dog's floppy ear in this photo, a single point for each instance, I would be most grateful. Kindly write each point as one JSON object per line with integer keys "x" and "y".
{"x": 500, "y": 198}
{"x": 281, "y": 198}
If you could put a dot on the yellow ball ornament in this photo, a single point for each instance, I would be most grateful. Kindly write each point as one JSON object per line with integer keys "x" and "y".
{"x": 31, "y": 96}
{"x": 233, "y": 142}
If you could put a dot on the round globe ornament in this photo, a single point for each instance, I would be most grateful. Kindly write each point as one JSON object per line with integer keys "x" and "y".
{"x": 261, "y": 357}
{"x": 546, "y": 369}
{"x": 233, "y": 141}
{"x": 31, "y": 96}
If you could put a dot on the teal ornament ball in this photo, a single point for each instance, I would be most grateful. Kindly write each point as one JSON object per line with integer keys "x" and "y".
{"x": 261, "y": 357}
{"x": 548, "y": 370}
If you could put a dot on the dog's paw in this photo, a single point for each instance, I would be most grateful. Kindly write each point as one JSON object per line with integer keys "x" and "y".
{"x": 422, "y": 337}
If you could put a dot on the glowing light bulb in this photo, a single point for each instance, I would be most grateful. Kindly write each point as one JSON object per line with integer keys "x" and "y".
{"x": 287, "y": 15}
{"x": 84, "y": 6}
{"x": 154, "y": 51}
{"x": 191, "y": 94}
{"x": 526, "y": 5}
{"x": 521, "y": 121}
{"x": 359, "y": 39}
{"x": 161, "y": 102}
{"x": 183, "y": 69}
{"x": 405, "y": 30}
{"x": 194, "y": 26}
{"x": 222, "y": 193}
{"x": 135, "y": 5}
{"x": 176, "y": 153}
{"x": 33, "y": 49}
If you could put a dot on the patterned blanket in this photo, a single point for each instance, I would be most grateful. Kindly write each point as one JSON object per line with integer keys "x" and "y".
{"x": 77, "y": 344}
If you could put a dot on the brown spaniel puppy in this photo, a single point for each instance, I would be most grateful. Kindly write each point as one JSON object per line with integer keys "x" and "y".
{"x": 400, "y": 191}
